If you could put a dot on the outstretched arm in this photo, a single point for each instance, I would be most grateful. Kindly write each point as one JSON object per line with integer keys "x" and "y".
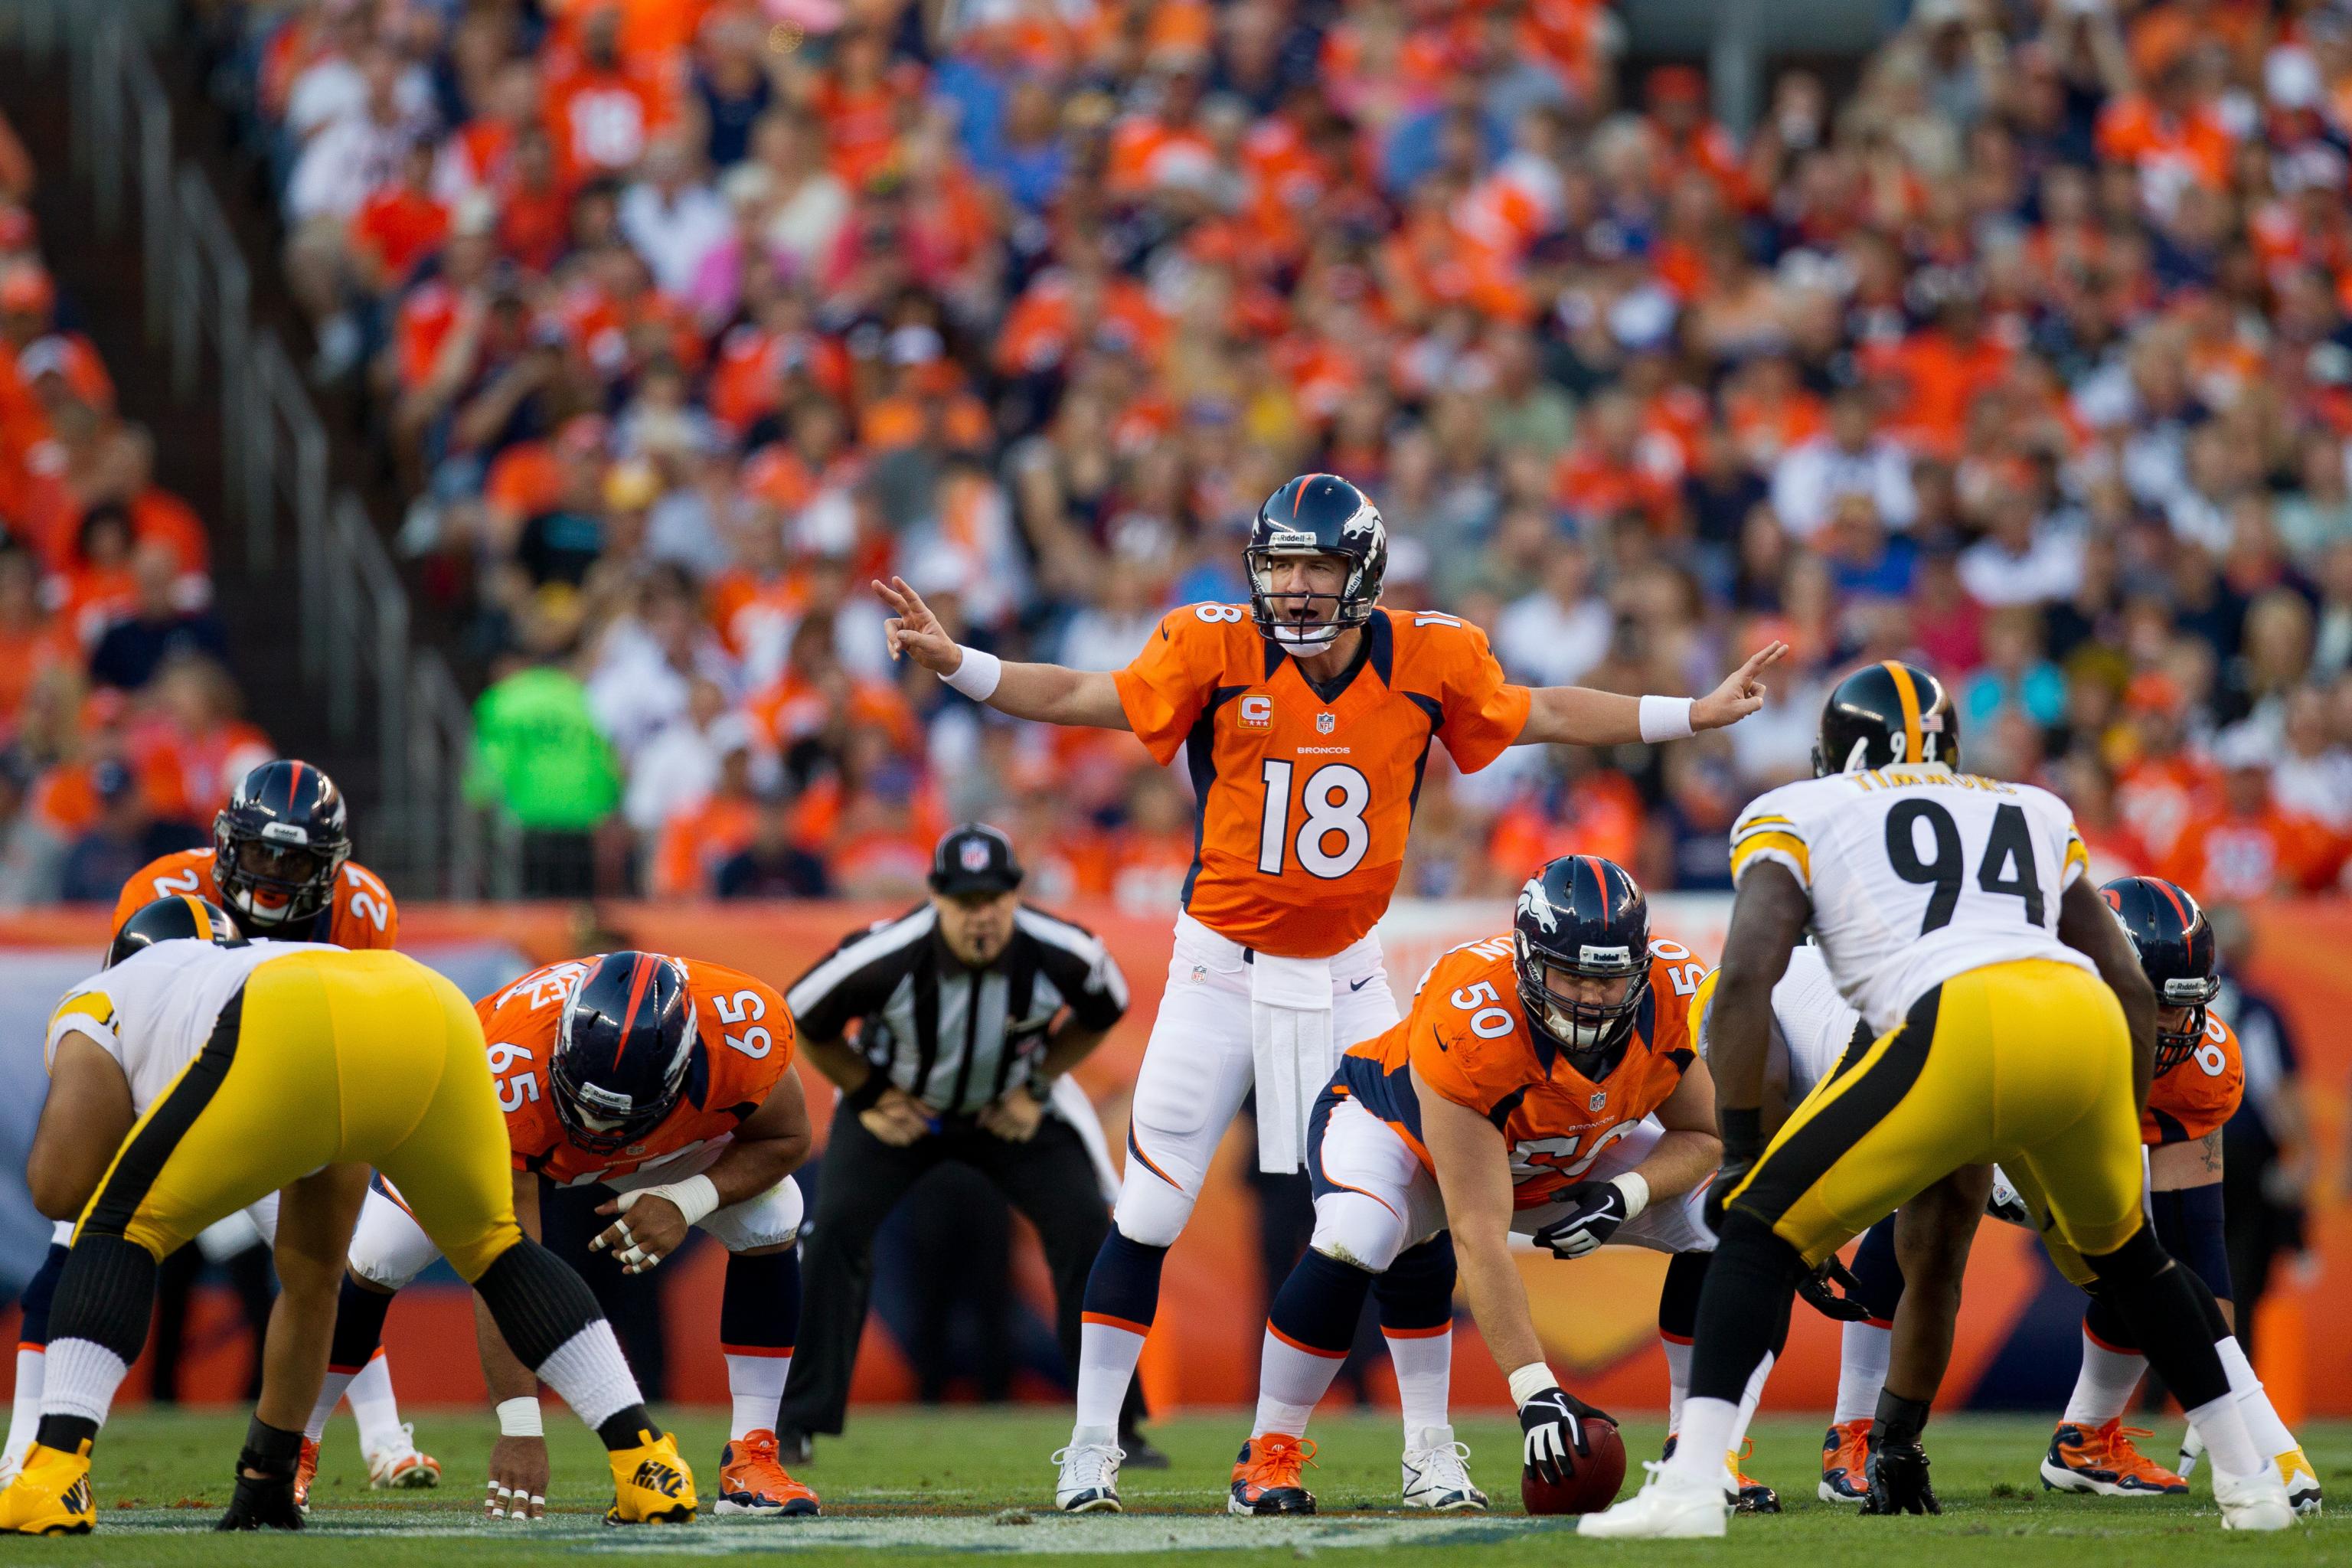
{"x": 1580, "y": 716}
{"x": 1051, "y": 693}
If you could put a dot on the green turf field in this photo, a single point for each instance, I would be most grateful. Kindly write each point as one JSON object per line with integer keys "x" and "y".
{"x": 930, "y": 1486}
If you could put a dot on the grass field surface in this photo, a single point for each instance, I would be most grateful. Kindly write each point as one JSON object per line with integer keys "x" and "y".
{"x": 932, "y": 1486}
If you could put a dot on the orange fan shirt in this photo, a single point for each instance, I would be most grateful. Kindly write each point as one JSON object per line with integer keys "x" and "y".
{"x": 1305, "y": 800}
{"x": 2194, "y": 1098}
{"x": 360, "y": 916}
{"x": 1468, "y": 1039}
{"x": 742, "y": 1046}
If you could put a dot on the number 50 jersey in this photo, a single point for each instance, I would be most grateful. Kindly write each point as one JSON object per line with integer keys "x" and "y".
{"x": 1918, "y": 874}
{"x": 742, "y": 1045}
{"x": 1305, "y": 796}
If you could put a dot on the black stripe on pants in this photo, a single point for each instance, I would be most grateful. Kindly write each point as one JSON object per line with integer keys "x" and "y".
{"x": 143, "y": 1157}
{"x": 1790, "y": 1171}
{"x": 1051, "y": 1179}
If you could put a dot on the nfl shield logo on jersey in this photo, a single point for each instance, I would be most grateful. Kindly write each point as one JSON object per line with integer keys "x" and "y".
{"x": 1325, "y": 723}
{"x": 1597, "y": 1101}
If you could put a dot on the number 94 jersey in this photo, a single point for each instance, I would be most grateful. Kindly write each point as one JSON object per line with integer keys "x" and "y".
{"x": 742, "y": 1046}
{"x": 1468, "y": 1039}
{"x": 1918, "y": 874}
{"x": 1305, "y": 796}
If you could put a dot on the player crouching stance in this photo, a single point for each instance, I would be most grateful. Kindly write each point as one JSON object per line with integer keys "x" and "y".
{"x": 2014, "y": 1025}
{"x": 292, "y": 1067}
{"x": 669, "y": 1081}
{"x": 1544, "y": 1083}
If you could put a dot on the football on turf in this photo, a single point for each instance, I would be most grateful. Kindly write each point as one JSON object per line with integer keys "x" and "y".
{"x": 1594, "y": 1484}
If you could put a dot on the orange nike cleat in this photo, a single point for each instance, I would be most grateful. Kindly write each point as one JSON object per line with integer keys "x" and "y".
{"x": 752, "y": 1480}
{"x": 2101, "y": 1461}
{"x": 1845, "y": 1453}
{"x": 1267, "y": 1476}
{"x": 306, "y": 1470}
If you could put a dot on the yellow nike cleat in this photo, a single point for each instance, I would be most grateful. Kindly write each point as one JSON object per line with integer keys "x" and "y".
{"x": 651, "y": 1485}
{"x": 50, "y": 1495}
{"x": 2302, "y": 1478}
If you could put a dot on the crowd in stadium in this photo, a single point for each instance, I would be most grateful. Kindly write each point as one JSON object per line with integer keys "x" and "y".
{"x": 120, "y": 727}
{"x": 685, "y": 317}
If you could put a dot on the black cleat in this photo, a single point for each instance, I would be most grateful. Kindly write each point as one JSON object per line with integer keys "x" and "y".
{"x": 1142, "y": 1454}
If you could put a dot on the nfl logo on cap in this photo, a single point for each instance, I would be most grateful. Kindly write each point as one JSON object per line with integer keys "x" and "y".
{"x": 974, "y": 854}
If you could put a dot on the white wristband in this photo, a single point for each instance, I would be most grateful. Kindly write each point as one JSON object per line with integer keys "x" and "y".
{"x": 977, "y": 675}
{"x": 1531, "y": 1380}
{"x": 1665, "y": 719}
{"x": 1636, "y": 1188}
{"x": 695, "y": 1197}
{"x": 519, "y": 1418}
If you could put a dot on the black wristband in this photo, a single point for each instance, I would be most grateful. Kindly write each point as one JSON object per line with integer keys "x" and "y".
{"x": 867, "y": 1095}
{"x": 1742, "y": 1129}
{"x": 271, "y": 1450}
{"x": 1900, "y": 1420}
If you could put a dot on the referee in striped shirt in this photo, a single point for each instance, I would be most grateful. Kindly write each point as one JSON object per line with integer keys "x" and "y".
{"x": 968, "y": 1010}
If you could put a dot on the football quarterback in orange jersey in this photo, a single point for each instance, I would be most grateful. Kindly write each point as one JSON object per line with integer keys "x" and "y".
{"x": 1304, "y": 718}
{"x": 668, "y": 1082}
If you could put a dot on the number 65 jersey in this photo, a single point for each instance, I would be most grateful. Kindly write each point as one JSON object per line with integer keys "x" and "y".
{"x": 1306, "y": 795}
{"x": 742, "y": 1046}
{"x": 1918, "y": 874}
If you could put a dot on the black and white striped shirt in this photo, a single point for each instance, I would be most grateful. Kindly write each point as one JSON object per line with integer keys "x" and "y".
{"x": 955, "y": 1037}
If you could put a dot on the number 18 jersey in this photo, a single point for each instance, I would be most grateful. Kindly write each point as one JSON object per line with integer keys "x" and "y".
{"x": 1305, "y": 796}
{"x": 1918, "y": 874}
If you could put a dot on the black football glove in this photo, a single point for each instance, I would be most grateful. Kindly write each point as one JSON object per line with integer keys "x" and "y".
{"x": 262, "y": 1504}
{"x": 1552, "y": 1423}
{"x": 1816, "y": 1288}
{"x": 1595, "y": 1210}
{"x": 1743, "y": 1145}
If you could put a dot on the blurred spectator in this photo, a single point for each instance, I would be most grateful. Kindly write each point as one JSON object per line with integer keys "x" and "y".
{"x": 126, "y": 835}
{"x": 540, "y": 759}
{"x": 158, "y": 627}
{"x": 771, "y": 865}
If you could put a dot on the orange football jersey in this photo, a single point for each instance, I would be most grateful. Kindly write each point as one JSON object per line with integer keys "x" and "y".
{"x": 1469, "y": 1040}
{"x": 1305, "y": 799}
{"x": 742, "y": 1046}
{"x": 360, "y": 916}
{"x": 2199, "y": 1094}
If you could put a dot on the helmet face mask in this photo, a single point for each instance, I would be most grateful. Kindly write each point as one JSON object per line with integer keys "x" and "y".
{"x": 624, "y": 1044}
{"x": 1315, "y": 515}
{"x": 280, "y": 844}
{"x": 1583, "y": 917}
{"x": 2174, "y": 941}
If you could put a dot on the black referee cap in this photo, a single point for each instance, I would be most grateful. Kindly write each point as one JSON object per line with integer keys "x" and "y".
{"x": 974, "y": 859}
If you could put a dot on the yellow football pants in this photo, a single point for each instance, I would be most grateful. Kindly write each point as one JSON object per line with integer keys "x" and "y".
{"x": 323, "y": 1058}
{"x": 2028, "y": 1063}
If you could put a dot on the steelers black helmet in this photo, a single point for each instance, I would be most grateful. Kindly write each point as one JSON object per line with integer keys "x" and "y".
{"x": 280, "y": 843}
{"x": 2174, "y": 945}
{"x": 1316, "y": 514}
{"x": 182, "y": 917}
{"x": 1584, "y": 916}
{"x": 1886, "y": 713}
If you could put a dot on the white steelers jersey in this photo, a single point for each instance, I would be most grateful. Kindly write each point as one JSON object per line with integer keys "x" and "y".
{"x": 1812, "y": 1025}
{"x": 1918, "y": 874}
{"x": 153, "y": 1011}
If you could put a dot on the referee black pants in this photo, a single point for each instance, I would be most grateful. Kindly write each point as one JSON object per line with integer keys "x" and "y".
{"x": 1050, "y": 1179}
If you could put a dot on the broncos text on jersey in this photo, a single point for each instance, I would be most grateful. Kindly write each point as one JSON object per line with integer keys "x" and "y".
{"x": 1305, "y": 796}
{"x": 362, "y": 914}
{"x": 1468, "y": 1039}
{"x": 742, "y": 1047}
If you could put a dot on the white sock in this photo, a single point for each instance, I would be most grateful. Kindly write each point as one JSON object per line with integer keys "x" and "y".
{"x": 25, "y": 1414}
{"x": 2226, "y": 1438}
{"x": 377, "y": 1411}
{"x": 593, "y": 1376}
{"x": 1678, "y": 1360}
{"x": 1864, "y": 1351}
{"x": 1424, "y": 1374}
{"x": 1704, "y": 1438}
{"x": 1107, "y": 1358}
{"x": 2263, "y": 1424}
{"x": 82, "y": 1376}
{"x": 756, "y": 1383}
{"x": 2104, "y": 1387}
{"x": 1291, "y": 1380}
{"x": 330, "y": 1393}
{"x": 1748, "y": 1401}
